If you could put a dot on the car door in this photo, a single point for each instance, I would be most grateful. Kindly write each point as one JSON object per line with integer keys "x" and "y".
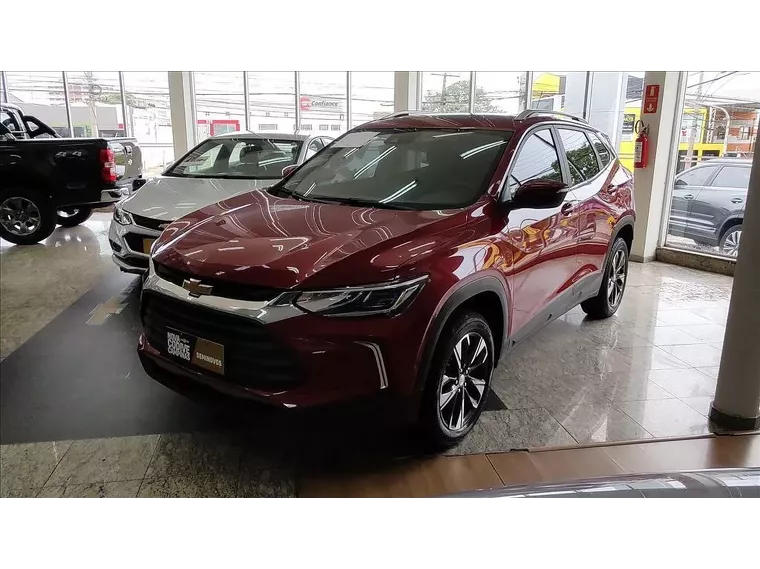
{"x": 543, "y": 240}
{"x": 589, "y": 183}
{"x": 722, "y": 199}
{"x": 687, "y": 186}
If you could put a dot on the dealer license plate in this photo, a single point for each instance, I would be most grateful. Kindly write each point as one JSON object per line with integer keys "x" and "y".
{"x": 195, "y": 351}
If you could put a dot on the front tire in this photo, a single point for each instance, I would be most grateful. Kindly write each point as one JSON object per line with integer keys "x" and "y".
{"x": 73, "y": 216}
{"x": 607, "y": 301}
{"x": 729, "y": 243}
{"x": 459, "y": 381}
{"x": 26, "y": 216}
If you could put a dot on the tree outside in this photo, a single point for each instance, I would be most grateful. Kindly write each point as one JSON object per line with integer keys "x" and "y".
{"x": 456, "y": 99}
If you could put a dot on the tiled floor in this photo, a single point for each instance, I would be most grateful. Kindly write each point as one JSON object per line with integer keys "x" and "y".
{"x": 650, "y": 371}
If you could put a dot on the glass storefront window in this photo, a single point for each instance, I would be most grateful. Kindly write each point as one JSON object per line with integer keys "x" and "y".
{"x": 219, "y": 102}
{"x": 272, "y": 101}
{"x": 499, "y": 91}
{"x": 323, "y": 102}
{"x": 559, "y": 91}
{"x": 149, "y": 115}
{"x": 40, "y": 93}
{"x": 716, "y": 142}
{"x": 95, "y": 99}
{"x": 446, "y": 91}
{"x": 371, "y": 95}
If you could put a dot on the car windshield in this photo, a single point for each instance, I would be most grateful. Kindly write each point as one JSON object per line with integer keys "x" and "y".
{"x": 233, "y": 157}
{"x": 401, "y": 168}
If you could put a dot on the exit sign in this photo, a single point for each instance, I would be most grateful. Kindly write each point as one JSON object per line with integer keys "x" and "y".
{"x": 651, "y": 99}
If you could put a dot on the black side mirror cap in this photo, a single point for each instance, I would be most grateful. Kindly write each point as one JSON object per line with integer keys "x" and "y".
{"x": 540, "y": 194}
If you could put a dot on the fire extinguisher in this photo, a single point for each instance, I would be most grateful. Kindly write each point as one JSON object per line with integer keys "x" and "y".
{"x": 641, "y": 146}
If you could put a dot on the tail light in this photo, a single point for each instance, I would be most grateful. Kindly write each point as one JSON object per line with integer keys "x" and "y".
{"x": 108, "y": 165}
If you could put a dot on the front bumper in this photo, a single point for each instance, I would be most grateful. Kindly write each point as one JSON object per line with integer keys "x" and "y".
{"x": 338, "y": 360}
{"x": 123, "y": 240}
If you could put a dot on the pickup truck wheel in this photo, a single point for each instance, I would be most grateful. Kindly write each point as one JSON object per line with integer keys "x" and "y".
{"x": 26, "y": 216}
{"x": 73, "y": 216}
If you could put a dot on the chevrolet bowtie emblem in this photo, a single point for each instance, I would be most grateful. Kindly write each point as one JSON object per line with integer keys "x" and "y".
{"x": 195, "y": 288}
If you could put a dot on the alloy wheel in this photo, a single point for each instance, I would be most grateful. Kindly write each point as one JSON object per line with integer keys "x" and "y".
{"x": 616, "y": 278}
{"x": 462, "y": 387}
{"x": 20, "y": 216}
{"x": 731, "y": 243}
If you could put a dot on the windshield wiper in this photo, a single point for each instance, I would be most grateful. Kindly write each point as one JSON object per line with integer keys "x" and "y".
{"x": 358, "y": 202}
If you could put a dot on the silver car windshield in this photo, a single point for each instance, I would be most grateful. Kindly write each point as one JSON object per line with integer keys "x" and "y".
{"x": 245, "y": 158}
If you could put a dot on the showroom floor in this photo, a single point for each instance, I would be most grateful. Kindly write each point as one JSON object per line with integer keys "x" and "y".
{"x": 69, "y": 322}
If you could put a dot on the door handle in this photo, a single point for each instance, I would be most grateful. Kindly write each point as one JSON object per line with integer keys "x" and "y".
{"x": 689, "y": 197}
{"x": 567, "y": 208}
{"x": 737, "y": 200}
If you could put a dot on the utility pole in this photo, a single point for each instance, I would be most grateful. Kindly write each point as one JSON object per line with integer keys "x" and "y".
{"x": 443, "y": 86}
{"x": 697, "y": 115}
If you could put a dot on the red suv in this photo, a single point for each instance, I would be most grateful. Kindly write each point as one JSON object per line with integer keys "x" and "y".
{"x": 406, "y": 258}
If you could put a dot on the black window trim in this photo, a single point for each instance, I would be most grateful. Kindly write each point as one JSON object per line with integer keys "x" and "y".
{"x": 710, "y": 179}
{"x": 721, "y": 167}
{"x": 513, "y": 160}
{"x": 602, "y": 169}
{"x": 500, "y": 197}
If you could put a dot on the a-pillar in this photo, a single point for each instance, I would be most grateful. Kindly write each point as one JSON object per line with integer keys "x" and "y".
{"x": 182, "y": 104}
{"x": 406, "y": 91}
{"x": 650, "y": 182}
{"x": 737, "y": 398}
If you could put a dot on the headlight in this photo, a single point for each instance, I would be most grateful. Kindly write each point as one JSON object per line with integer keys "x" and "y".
{"x": 371, "y": 300}
{"x": 122, "y": 217}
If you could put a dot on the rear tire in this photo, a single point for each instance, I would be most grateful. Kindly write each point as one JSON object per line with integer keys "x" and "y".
{"x": 458, "y": 383}
{"x": 73, "y": 216}
{"x": 26, "y": 216}
{"x": 610, "y": 295}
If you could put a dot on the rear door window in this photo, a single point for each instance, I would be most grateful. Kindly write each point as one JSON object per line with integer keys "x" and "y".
{"x": 601, "y": 148}
{"x": 537, "y": 160}
{"x": 732, "y": 177}
{"x": 581, "y": 158}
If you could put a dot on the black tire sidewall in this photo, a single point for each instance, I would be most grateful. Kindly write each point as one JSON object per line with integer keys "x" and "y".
{"x": 47, "y": 216}
{"x": 80, "y": 216}
{"x": 436, "y": 433}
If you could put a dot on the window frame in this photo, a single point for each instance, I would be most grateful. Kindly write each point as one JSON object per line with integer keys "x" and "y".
{"x": 708, "y": 181}
{"x": 593, "y": 151}
{"x": 722, "y": 167}
{"x": 520, "y": 145}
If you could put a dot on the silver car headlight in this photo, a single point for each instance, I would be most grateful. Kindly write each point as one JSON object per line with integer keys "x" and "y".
{"x": 122, "y": 217}
{"x": 382, "y": 299}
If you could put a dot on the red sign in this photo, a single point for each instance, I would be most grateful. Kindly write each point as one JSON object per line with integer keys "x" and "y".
{"x": 305, "y": 103}
{"x": 651, "y": 98}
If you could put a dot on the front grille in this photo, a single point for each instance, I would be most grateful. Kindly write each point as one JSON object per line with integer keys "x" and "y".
{"x": 225, "y": 289}
{"x": 252, "y": 357}
{"x": 136, "y": 262}
{"x": 149, "y": 223}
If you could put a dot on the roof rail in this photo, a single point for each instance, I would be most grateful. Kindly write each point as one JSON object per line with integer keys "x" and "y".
{"x": 400, "y": 114}
{"x": 526, "y": 114}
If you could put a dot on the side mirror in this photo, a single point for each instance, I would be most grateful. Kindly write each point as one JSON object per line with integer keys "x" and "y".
{"x": 680, "y": 183}
{"x": 288, "y": 170}
{"x": 539, "y": 194}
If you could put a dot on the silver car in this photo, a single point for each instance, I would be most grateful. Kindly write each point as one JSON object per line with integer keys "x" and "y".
{"x": 216, "y": 169}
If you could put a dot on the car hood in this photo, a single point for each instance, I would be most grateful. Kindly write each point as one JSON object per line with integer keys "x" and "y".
{"x": 260, "y": 239}
{"x": 168, "y": 197}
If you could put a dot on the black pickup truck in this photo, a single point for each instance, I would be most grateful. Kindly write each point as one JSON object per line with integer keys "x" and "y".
{"x": 47, "y": 180}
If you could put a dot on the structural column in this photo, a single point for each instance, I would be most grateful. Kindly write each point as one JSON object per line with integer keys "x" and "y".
{"x": 182, "y": 101}
{"x": 737, "y": 397}
{"x": 650, "y": 183}
{"x": 405, "y": 91}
